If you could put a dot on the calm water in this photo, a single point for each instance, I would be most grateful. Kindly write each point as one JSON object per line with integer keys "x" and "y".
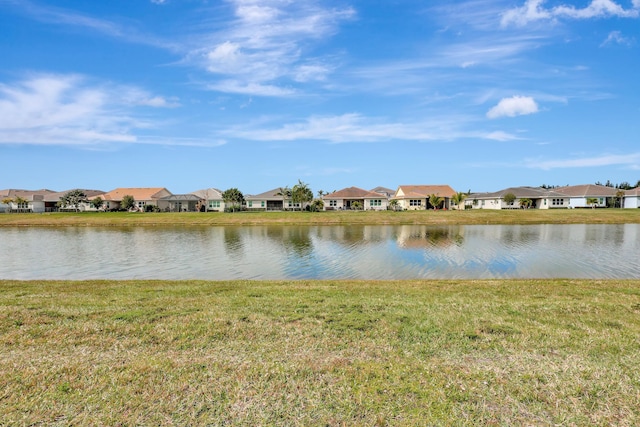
{"x": 322, "y": 252}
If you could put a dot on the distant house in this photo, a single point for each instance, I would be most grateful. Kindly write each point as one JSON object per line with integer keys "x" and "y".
{"x": 415, "y": 197}
{"x": 23, "y": 200}
{"x": 540, "y": 198}
{"x": 142, "y": 196}
{"x": 212, "y": 199}
{"x": 579, "y": 194}
{"x": 632, "y": 198}
{"x": 349, "y": 198}
{"x": 51, "y": 201}
{"x": 271, "y": 200}
{"x": 386, "y": 192}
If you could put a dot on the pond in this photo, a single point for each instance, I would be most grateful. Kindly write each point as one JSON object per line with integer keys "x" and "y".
{"x": 322, "y": 252}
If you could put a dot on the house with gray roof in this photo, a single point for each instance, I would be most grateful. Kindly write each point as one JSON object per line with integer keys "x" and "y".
{"x": 350, "y": 198}
{"x": 212, "y": 199}
{"x": 579, "y": 194}
{"x": 540, "y": 198}
{"x": 632, "y": 198}
{"x": 15, "y": 200}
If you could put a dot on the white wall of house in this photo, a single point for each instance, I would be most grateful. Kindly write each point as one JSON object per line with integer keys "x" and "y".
{"x": 333, "y": 204}
{"x": 581, "y": 202}
{"x": 380, "y": 204}
{"x": 632, "y": 202}
{"x": 215, "y": 205}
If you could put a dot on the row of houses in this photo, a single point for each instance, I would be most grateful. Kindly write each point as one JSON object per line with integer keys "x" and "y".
{"x": 405, "y": 197}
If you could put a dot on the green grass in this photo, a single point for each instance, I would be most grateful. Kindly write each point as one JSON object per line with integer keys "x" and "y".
{"x": 531, "y": 216}
{"x": 401, "y": 353}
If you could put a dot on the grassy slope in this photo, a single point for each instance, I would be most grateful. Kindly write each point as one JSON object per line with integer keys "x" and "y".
{"x": 564, "y": 216}
{"x": 512, "y": 352}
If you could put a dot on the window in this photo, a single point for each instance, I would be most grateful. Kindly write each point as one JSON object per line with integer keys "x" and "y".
{"x": 250, "y": 203}
{"x": 141, "y": 204}
{"x": 23, "y": 205}
{"x": 262, "y": 204}
{"x": 375, "y": 202}
{"x": 415, "y": 202}
{"x": 557, "y": 202}
{"x": 214, "y": 203}
{"x": 333, "y": 203}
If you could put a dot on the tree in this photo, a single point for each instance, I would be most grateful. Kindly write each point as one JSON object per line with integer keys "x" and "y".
{"x": 21, "y": 202}
{"x": 593, "y": 201}
{"x": 97, "y": 203}
{"x": 127, "y": 202}
{"x": 7, "y": 201}
{"x": 509, "y": 198}
{"x": 393, "y": 204}
{"x": 317, "y": 205}
{"x": 458, "y": 199}
{"x": 73, "y": 198}
{"x": 620, "y": 196}
{"x": 234, "y": 198}
{"x": 526, "y": 202}
{"x": 435, "y": 201}
{"x": 285, "y": 192}
{"x": 356, "y": 205}
{"x": 301, "y": 194}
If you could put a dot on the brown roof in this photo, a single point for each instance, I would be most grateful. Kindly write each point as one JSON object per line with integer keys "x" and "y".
{"x": 633, "y": 192}
{"x": 137, "y": 193}
{"x": 26, "y": 194}
{"x": 267, "y": 195}
{"x": 54, "y": 197}
{"x": 423, "y": 191}
{"x": 587, "y": 190}
{"x": 352, "y": 193}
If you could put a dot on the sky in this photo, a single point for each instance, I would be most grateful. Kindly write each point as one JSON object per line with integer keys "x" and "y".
{"x": 258, "y": 94}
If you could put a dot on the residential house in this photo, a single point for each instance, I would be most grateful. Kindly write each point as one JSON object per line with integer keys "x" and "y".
{"x": 579, "y": 194}
{"x": 212, "y": 199}
{"x": 142, "y": 197}
{"x": 539, "y": 198}
{"x": 415, "y": 197}
{"x": 352, "y": 197}
{"x": 272, "y": 200}
{"x": 51, "y": 201}
{"x": 386, "y": 192}
{"x": 632, "y": 198}
{"x": 23, "y": 200}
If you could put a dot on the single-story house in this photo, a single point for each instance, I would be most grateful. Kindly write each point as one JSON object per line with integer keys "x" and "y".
{"x": 386, "y": 192}
{"x": 142, "y": 196}
{"x": 415, "y": 197}
{"x": 539, "y": 198}
{"x": 14, "y": 200}
{"x": 212, "y": 199}
{"x": 272, "y": 200}
{"x": 51, "y": 201}
{"x": 355, "y": 198}
{"x": 579, "y": 194}
{"x": 632, "y": 198}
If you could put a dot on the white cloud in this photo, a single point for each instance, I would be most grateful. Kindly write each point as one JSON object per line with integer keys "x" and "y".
{"x": 67, "y": 110}
{"x": 533, "y": 10}
{"x": 631, "y": 160}
{"x": 616, "y": 37}
{"x": 501, "y": 136}
{"x": 266, "y": 44}
{"x": 514, "y": 106}
{"x": 159, "y": 1}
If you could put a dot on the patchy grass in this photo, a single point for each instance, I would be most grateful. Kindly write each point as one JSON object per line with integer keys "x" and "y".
{"x": 530, "y": 216}
{"x": 512, "y": 352}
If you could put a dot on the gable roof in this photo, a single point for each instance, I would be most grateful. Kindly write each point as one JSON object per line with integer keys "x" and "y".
{"x": 267, "y": 195}
{"x": 587, "y": 190}
{"x": 209, "y": 194}
{"x": 633, "y": 192}
{"x": 520, "y": 193}
{"x": 423, "y": 191}
{"x": 352, "y": 193}
{"x": 138, "y": 193}
{"x": 30, "y": 195}
{"x": 388, "y": 192}
{"x": 181, "y": 198}
{"x": 55, "y": 197}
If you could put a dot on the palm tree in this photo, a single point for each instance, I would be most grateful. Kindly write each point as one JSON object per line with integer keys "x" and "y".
{"x": 7, "y": 201}
{"x": 21, "y": 201}
{"x": 393, "y": 204}
{"x": 435, "y": 201}
{"x": 285, "y": 192}
{"x": 458, "y": 199}
{"x": 593, "y": 201}
{"x": 526, "y": 202}
{"x": 620, "y": 195}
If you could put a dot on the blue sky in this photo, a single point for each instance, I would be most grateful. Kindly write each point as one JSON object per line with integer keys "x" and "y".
{"x": 256, "y": 94}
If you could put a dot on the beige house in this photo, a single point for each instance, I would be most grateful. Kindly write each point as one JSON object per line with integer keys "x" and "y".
{"x": 271, "y": 200}
{"x": 579, "y": 194}
{"x": 355, "y": 198}
{"x": 51, "y": 201}
{"x": 142, "y": 197}
{"x": 540, "y": 198}
{"x": 14, "y": 200}
{"x": 212, "y": 199}
{"x": 416, "y": 197}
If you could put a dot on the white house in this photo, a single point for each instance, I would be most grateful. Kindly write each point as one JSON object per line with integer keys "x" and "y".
{"x": 539, "y": 198}
{"x": 354, "y": 197}
{"x": 416, "y": 197}
{"x": 579, "y": 194}
{"x": 212, "y": 199}
{"x": 632, "y": 198}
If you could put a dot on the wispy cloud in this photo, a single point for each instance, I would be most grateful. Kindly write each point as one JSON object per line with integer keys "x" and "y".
{"x": 514, "y": 106}
{"x": 616, "y": 37}
{"x": 69, "y": 110}
{"x": 631, "y": 160}
{"x": 268, "y": 43}
{"x": 534, "y": 10}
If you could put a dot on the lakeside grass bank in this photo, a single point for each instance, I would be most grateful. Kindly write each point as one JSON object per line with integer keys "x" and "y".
{"x": 469, "y": 217}
{"x": 401, "y": 353}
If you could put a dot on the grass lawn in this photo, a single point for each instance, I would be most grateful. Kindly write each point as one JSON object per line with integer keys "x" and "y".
{"x": 401, "y": 353}
{"x": 530, "y": 216}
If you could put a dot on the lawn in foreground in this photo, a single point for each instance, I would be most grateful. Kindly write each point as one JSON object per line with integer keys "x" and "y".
{"x": 512, "y": 352}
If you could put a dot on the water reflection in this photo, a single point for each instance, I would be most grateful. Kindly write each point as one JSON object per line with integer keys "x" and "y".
{"x": 328, "y": 252}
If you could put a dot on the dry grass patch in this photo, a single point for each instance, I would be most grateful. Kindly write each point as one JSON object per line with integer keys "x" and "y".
{"x": 514, "y": 352}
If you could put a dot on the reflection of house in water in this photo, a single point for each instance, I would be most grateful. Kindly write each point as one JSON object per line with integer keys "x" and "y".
{"x": 421, "y": 236}
{"x": 355, "y": 234}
